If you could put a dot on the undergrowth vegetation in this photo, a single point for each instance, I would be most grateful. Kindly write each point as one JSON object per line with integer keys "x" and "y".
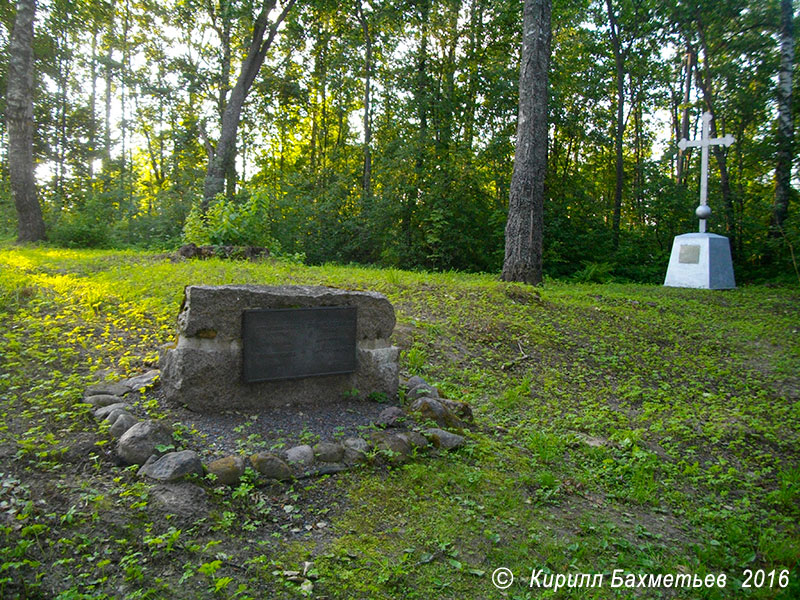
{"x": 631, "y": 427}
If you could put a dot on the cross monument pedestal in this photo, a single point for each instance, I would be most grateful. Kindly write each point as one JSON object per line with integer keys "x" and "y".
{"x": 702, "y": 260}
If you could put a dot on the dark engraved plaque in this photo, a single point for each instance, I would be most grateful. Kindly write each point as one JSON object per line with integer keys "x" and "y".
{"x": 288, "y": 343}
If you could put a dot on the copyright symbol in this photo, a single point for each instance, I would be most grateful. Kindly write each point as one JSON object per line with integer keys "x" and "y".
{"x": 502, "y": 578}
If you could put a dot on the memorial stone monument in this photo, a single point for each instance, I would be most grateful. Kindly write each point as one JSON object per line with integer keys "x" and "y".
{"x": 242, "y": 347}
{"x": 702, "y": 260}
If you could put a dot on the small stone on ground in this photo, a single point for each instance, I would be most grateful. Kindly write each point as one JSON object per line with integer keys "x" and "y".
{"x": 270, "y": 466}
{"x": 121, "y": 424}
{"x": 328, "y": 452}
{"x": 142, "y": 440}
{"x": 173, "y": 466}
{"x": 100, "y": 400}
{"x": 300, "y": 455}
{"x": 184, "y": 499}
{"x": 101, "y": 413}
{"x": 228, "y": 470}
{"x": 445, "y": 439}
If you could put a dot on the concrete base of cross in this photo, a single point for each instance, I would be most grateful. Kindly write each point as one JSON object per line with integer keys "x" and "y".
{"x": 700, "y": 260}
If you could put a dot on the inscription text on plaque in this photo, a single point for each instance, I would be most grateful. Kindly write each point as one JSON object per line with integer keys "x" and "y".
{"x": 289, "y": 343}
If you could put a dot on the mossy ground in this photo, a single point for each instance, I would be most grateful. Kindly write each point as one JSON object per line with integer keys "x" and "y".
{"x": 630, "y": 427}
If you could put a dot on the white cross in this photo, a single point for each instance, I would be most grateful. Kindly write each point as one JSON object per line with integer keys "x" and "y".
{"x": 704, "y": 142}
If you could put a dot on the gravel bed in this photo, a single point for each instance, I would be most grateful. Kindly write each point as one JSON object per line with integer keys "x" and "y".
{"x": 271, "y": 428}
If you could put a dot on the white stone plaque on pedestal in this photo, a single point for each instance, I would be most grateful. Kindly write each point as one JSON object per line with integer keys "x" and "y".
{"x": 700, "y": 260}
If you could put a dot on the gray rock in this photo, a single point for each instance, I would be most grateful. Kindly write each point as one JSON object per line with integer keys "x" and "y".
{"x": 199, "y": 371}
{"x": 101, "y": 413}
{"x": 415, "y": 381}
{"x": 121, "y": 424}
{"x": 377, "y": 369}
{"x": 115, "y": 388}
{"x": 115, "y": 414}
{"x": 197, "y": 375}
{"x": 391, "y": 416}
{"x": 184, "y": 499}
{"x": 355, "y": 450}
{"x": 140, "y": 382}
{"x": 300, "y": 455}
{"x": 434, "y": 410}
{"x": 270, "y": 466}
{"x": 393, "y": 447}
{"x": 100, "y": 400}
{"x": 422, "y": 390}
{"x": 140, "y": 442}
{"x": 444, "y": 439}
{"x": 228, "y": 470}
{"x": 415, "y": 439}
{"x": 172, "y": 466}
{"x": 330, "y": 468}
{"x": 218, "y": 308}
{"x": 328, "y": 452}
{"x": 356, "y": 443}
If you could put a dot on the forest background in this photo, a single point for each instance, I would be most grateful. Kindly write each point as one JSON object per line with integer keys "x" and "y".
{"x": 382, "y": 132}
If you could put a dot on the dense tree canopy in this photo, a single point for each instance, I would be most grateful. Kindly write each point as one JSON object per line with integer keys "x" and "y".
{"x": 383, "y": 131}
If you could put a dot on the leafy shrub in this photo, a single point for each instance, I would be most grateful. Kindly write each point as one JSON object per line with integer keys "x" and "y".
{"x": 228, "y": 223}
{"x": 86, "y": 226}
{"x": 594, "y": 272}
{"x": 8, "y": 214}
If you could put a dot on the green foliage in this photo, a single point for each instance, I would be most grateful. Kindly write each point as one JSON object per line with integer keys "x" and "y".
{"x": 89, "y": 227}
{"x": 594, "y": 273}
{"x": 416, "y": 359}
{"x": 227, "y": 222}
{"x": 442, "y": 124}
{"x": 8, "y": 215}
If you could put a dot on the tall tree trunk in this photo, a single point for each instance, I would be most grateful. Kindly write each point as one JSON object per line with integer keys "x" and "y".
{"x": 703, "y": 77}
{"x": 524, "y": 228}
{"x": 224, "y": 154}
{"x": 125, "y": 72}
{"x": 19, "y": 121}
{"x": 421, "y": 93}
{"x": 475, "y": 33}
{"x": 783, "y": 169}
{"x": 61, "y": 135}
{"x": 224, "y": 28}
{"x": 442, "y": 108}
{"x": 638, "y": 118}
{"x": 323, "y": 119}
{"x": 92, "y": 134}
{"x": 619, "y": 62}
{"x": 683, "y": 155}
{"x": 366, "y": 181}
{"x": 107, "y": 130}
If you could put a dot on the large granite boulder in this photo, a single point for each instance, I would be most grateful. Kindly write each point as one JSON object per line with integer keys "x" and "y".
{"x": 203, "y": 369}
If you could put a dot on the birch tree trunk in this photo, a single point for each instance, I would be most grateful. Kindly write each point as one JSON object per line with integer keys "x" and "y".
{"x": 366, "y": 184}
{"x": 619, "y": 62}
{"x": 524, "y": 228}
{"x": 683, "y": 155}
{"x": 19, "y": 121}
{"x": 704, "y": 82}
{"x": 783, "y": 169}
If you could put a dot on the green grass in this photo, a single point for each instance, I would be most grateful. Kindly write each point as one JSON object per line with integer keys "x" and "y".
{"x": 632, "y": 427}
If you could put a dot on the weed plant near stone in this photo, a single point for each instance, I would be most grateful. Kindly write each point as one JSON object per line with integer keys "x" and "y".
{"x": 648, "y": 429}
